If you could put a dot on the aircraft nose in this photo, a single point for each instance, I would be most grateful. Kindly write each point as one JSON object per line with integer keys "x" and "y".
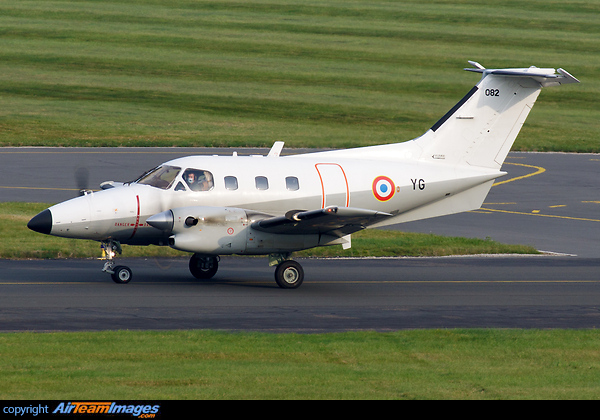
{"x": 42, "y": 222}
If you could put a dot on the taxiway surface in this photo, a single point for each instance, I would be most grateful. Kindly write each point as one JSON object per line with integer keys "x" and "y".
{"x": 337, "y": 295}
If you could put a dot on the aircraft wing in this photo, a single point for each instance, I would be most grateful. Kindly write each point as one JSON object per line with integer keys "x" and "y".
{"x": 333, "y": 220}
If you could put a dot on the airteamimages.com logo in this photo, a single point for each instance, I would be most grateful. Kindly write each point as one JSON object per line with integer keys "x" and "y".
{"x": 142, "y": 411}
{"x": 91, "y": 408}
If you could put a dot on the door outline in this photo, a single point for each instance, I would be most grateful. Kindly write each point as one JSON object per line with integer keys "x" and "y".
{"x": 329, "y": 177}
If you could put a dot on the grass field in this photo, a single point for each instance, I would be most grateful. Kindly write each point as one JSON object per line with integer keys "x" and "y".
{"x": 432, "y": 364}
{"x": 314, "y": 73}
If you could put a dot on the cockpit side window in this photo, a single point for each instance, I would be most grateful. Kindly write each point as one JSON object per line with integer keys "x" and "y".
{"x": 161, "y": 177}
{"x": 198, "y": 180}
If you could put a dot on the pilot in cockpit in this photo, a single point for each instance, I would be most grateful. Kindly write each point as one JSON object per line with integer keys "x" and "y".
{"x": 190, "y": 178}
{"x": 198, "y": 180}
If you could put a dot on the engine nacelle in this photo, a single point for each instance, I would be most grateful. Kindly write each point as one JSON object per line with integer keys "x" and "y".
{"x": 209, "y": 230}
{"x": 225, "y": 231}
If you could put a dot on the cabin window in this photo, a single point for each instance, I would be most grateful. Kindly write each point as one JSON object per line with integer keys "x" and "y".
{"x": 198, "y": 180}
{"x": 292, "y": 184}
{"x": 262, "y": 183}
{"x": 231, "y": 183}
{"x": 160, "y": 177}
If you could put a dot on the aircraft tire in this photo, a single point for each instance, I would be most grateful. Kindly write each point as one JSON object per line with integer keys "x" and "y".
{"x": 289, "y": 275}
{"x": 203, "y": 268}
{"x": 122, "y": 274}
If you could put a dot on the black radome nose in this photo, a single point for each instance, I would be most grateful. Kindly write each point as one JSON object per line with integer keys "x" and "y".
{"x": 41, "y": 223}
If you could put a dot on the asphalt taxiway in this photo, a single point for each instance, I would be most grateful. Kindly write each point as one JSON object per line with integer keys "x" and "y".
{"x": 337, "y": 295}
{"x": 550, "y": 201}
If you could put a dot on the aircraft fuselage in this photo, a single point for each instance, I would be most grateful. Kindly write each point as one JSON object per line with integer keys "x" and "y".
{"x": 263, "y": 186}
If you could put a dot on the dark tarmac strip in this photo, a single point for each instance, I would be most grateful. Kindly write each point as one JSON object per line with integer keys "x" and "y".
{"x": 337, "y": 295}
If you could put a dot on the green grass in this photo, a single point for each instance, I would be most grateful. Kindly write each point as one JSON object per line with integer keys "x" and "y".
{"x": 25, "y": 243}
{"x": 313, "y": 74}
{"x": 389, "y": 243}
{"x": 417, "y": 364}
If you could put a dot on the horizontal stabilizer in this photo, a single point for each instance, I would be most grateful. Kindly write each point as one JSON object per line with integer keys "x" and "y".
{"x": 546, "y": 77}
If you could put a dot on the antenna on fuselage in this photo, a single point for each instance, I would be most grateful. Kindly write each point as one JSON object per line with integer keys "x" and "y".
{"x": 276, "y": 149}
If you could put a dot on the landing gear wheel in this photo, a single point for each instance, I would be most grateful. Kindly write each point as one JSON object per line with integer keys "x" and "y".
{"x": 203, "y": 268}
{"x": 289, "y": 275}
{"x": 121, "y": 274}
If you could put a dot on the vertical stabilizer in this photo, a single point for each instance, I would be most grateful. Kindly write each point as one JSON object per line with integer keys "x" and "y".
{"x": 482, "y": 127}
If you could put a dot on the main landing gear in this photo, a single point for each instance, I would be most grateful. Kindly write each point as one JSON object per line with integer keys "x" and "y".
{"x": 120, "y": 274}
{"x": 288, "y": 273}
{"x": 203, "y": 267}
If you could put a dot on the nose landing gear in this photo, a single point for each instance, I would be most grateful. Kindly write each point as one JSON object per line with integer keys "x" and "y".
{"x": 120, "y": 274}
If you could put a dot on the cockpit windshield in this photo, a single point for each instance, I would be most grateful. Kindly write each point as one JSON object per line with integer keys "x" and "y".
{"x": 160, "y": 177}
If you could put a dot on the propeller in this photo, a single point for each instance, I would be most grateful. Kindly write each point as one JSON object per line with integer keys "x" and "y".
{"x": 82, "y": 179}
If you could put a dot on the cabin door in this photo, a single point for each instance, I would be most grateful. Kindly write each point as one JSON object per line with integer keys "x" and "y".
{"x": 334, "y": 185}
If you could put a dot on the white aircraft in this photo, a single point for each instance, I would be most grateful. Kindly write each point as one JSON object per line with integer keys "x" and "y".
{"x": 275, "y": 205}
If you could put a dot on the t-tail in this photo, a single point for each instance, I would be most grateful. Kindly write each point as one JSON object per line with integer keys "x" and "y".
{"x": 472, "y": 139}
{"x": 481, "y": 128}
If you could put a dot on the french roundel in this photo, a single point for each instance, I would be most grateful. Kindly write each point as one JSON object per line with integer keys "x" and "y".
{"x": 383, "y": 188}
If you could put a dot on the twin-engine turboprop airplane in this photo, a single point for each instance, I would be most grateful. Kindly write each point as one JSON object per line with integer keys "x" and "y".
{"x": 275, "y": 205}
